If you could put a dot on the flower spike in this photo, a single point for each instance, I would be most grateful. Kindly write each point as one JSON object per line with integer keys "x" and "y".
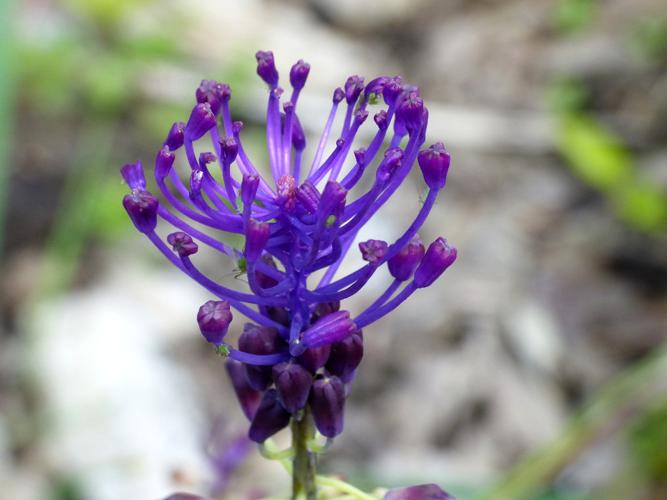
{"x": 300, "y": 349}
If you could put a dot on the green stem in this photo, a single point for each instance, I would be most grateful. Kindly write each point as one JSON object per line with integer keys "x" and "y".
{"x": 304, "y": 470}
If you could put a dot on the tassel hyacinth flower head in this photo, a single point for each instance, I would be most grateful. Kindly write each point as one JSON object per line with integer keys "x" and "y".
{"x": 301, "y": 347}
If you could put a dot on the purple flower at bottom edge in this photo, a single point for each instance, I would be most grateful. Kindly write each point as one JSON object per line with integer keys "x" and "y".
{"x": 419, "y": 492}
{"x": 300, "y": 221}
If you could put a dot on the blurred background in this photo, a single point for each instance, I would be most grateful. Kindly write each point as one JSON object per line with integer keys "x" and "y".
{"x": 535, "y": 368}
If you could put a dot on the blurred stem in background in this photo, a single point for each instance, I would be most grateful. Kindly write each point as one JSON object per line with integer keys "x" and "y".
{"x": 6, "y": 99}
{"x": 638, "y": 392}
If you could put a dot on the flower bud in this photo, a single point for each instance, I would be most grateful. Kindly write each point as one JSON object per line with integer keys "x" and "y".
{"x": 249, "y": 186}
{"x": 327, "y": 403}
{"x": 420, "y": 492}
{"x": 375, "y": 86}
{"x": 373, "y": 251}
{"x": 266, "y": 67}
{"x": 391, "y": 89}
{"x": 229, "y": 149}
{"x": 360, "y": 156}
{"x": 345, "y": 357}
{"x": 201, "y": 121}
{"x": 182, "y": 244}
{"x": 298, "y": 135}
{"x": 393, "y": 158}
{"x": 269, "y": 418}
{"x": 133, "y": 175}
{"x": 258, "y": 340}
{"x": 308, "y": 196}
{"x": 323, "y": 309}
{"x": 403, "y": 264}
{"x": 434, "y": 164}
{"x": 353, "y": 87}
{"x": 333, "y": 200}
{"x": 256, "y": 236}
{"x": 409, "y": 111}
{"x": 175, "y": 136}
{"x": 163, "y": 162}
{"x": 142, "y": 208}
{"x": 360, "y": 116}
{"x": 331, "y": 328}
{"x": 380, "y": 119}
{"x": 314, "y": 358}
{"x": 293, "y": 384}
{"x": 438, "y": 257}
{"x": 248, "y": 397}
{"x": 213, "y": 93}
{"x": 214, "y": 318}
{"x": 298, "y": 74}
{"x": 338, "y": 95}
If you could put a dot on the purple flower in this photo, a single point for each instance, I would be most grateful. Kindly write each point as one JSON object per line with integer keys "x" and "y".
{"x": 300, "y": 347}
{"x": 420, "y": 492}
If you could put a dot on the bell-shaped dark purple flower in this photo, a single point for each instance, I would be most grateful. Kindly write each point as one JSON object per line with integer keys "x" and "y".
{"x": 420, "y": 492}
{"x": 142, "y": 208}
{"x": 248, "y": 397}
{"x": 373, "y": 251}
{"x": 202, "y": 119}
{"x": 403, "y": 264}
{"x": 175, "y": 136}
{"x": 314, "y": 358}
{"x": 269, "y": 418}
{"x": 327, "y": 403}
{"x": 266, "y": 67}
{"x": 345, "y": 357}
{"x": 438, "y": 257}
{"x": 434, "y": 164}
{"x": 293, "y": 384}
{"x": 323, "y": 309}
{"x": 214, "y": 318}
{"x": 258, "y": 340}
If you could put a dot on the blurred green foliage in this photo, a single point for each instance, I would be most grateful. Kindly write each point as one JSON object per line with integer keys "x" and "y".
{"x": 572, "y": 16}
{"x": 6, "y": 95}
{"x": 648, "y": 439}
{"x": 90, "y": 76}
{"x": 601, "y": 160}
{"x": 650, "y": 39}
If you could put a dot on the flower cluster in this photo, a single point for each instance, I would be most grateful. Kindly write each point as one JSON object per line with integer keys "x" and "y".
{"x": 300, "y": 348}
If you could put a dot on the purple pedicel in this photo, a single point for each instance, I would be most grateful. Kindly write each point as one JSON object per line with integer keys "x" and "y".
{"x": 280, "y": 229}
